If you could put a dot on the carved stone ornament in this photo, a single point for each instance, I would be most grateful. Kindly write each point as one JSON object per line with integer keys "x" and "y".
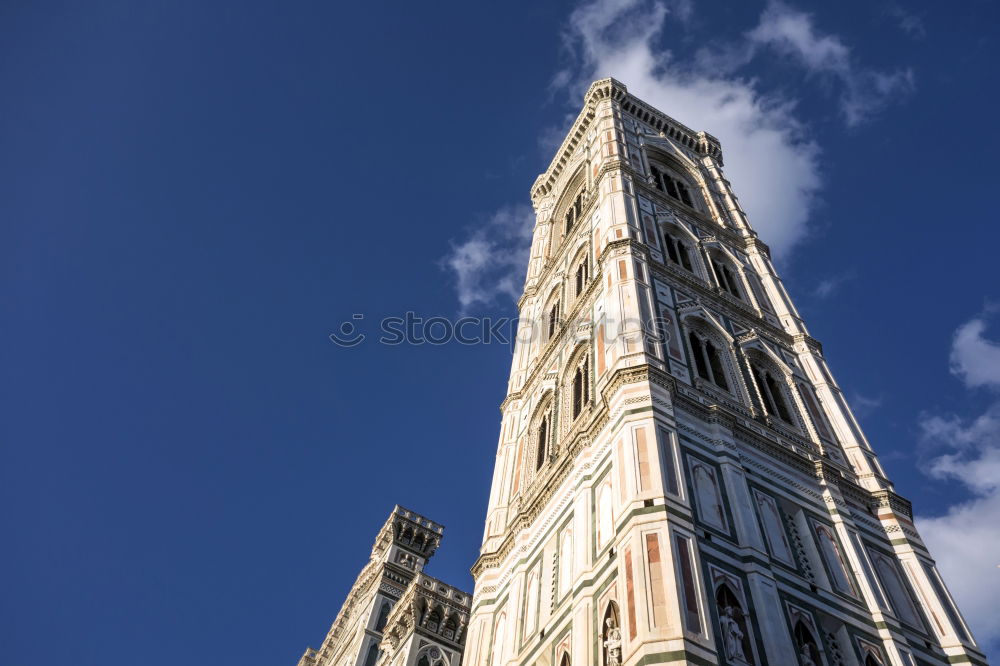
{"x": 613, "y": 644}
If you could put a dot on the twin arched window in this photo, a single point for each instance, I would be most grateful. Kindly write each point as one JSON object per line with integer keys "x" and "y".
{"x": 726, "y": 277}
{"x": 707, "y": 360}
{"x": 677, "y": 252}
{"x": 572, "y": 215}
{"x": 673, "y": 186}
{"x": 772, "y": 394}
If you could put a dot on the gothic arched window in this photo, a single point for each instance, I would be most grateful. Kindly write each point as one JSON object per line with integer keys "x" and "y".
{"x": 581, "y": 277}
{"x": 677, "y": 251}
{"x": 707, "y": 360}
{"x": 383, "y": 615}
{"x": 726, "y": 276}
{"x": 673, "y": 185}
{"x": 573, "y": 213}
{"x": 772, "y": 394}
{"x": 581, "y": 387}
{"x": 552, "y": 323}
{"x": 543, "y": 442}
{"x": 372, "y": 655}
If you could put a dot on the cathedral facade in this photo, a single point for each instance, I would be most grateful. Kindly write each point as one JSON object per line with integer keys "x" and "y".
{"x": 396, "y": 614}
{"x": 679, "y": 478}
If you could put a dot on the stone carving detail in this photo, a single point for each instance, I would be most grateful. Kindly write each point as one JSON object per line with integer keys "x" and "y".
{"x": 732, "y": 635}
{"x": 613, "y": 644}
{"x": 799, "y": 546}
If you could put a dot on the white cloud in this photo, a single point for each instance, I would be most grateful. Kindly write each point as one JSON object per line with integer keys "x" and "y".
{"x": 865, "y": 406}
{"x": 966, "y": 540}
{"x": 490, "y": 262}
{"x": 829, "y": 286}
{"x": 769, "y": 154}
{"x": 792, "y": 33}
{"x": 908, "y": 22}
{"x": 975, "y": 359}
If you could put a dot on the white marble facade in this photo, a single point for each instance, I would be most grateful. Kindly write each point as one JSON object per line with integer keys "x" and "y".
{"x": 679, "y": 478}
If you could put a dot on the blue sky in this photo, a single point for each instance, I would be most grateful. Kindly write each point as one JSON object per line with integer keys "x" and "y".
{"x": 193, "y": 196}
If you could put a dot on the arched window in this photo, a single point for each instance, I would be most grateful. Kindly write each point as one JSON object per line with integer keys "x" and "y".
{"x": 581, "y": 277}
{"x": 673, "y": 185}
{"x": 552, "y": 324}
{"x": 543, "y": 442}
{"x": 772, "y": 394}
{"x": 450, "y": 628}
{"x": 707, "y": 360}
{"x": 431, "y": 657}
{"x": 565, "y": 659}
{"x": 383, "y": 615}
{"x": 581, "y": 387}
{"x": 611, "y": 643}
{"x": 725, "y": 275}
{"x": 733, "y": 623}
{"x": 677, "y": 251}
{"x": 573, "y": 213}
{"x": 372, "y": 655}
{"x": 433, "y": 621}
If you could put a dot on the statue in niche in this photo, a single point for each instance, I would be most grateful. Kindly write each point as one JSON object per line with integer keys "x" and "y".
{"x": 613, "y": 643}
{"x": 732, "y": 635}
{"x": 805, "y": 658}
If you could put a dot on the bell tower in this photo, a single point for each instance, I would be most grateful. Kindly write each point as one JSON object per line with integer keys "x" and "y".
{"x": 395, "y": 613}
{"x": 679, "y": 478}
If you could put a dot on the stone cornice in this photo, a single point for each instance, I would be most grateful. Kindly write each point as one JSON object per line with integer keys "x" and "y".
{"x": 700, "y": 142}
{"x": 795, "y": 452}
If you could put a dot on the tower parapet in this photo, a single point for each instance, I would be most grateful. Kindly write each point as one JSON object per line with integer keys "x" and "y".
{"x": 402, "y": 548}
{"x": 430, "y": 620}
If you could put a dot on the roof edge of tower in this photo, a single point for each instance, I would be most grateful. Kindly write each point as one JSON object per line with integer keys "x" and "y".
{"x": 611, "y": 88}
